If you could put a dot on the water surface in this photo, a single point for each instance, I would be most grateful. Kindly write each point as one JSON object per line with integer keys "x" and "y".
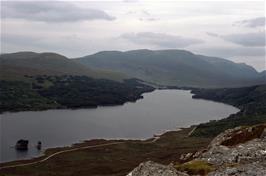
{"x": 158, "y": 111}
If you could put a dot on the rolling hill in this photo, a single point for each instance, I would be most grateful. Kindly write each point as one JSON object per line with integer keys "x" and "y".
{"x": 175, "y": 68}
{"x": 15, "y": 65}
{"x": 263, "y": 74}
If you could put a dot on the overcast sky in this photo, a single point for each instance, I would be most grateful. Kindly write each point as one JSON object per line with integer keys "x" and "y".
{"x": 232, "y": 30}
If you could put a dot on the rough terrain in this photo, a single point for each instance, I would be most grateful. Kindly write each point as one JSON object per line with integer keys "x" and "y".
{"x": 239, "y": 151}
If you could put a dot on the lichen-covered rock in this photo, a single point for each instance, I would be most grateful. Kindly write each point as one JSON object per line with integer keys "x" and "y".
{"x": 254, "y": 150}
{"x": 186, "y": 156}
{"x": 238, "y": 152}
{"x": 248, "y": 152}
{"x": 150, "y": 168}
{"x": 243, "y": 159}
{"x": 252, "y": 169}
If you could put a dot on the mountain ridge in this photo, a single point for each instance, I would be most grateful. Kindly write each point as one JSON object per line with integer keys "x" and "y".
{"x": 16, "y": 65}
{"x": 164, "y": 67}
{"x": 175, "y": 68}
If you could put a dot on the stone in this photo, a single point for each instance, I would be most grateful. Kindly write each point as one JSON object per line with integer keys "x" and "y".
{"x": 151, "y": 168}
{"x": 22, "y": 144}
{"x": 247, "y": 158}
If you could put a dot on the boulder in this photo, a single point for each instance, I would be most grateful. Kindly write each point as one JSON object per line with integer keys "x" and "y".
{"x": 151, "y": 168}
{"x": 22, "y": 144}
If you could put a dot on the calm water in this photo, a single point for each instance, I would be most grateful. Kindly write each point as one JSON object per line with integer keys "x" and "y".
{"x": 158, "y": 111}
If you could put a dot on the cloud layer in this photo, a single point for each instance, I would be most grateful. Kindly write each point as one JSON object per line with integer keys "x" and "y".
{"x": 248, "y": 39}
{"x": 78, "y": 28}
{"x": 255, "y": 22}
{"x": 254, "y": 39}
{"x": 50, "y": 11}
{"x": 160, "y": 39}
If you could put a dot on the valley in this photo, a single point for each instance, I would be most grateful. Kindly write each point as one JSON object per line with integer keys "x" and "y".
{"x": 69, "y": 85}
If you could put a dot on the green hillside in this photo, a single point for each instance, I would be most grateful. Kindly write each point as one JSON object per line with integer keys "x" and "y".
{"x": 16, "y": 65}
{"x": 53, "y": 92}
{"x": 250, "y": 100}
{"x": 175, "y": 68}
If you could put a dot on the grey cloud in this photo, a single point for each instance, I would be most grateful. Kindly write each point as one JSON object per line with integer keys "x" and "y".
{"x": 212, "y": 34}
{"x": 255, "y": 39}
{"x": 19, "y": 39}
{"x": 255, "y": 22}
{"x": 160, "y": 39}
{"x": 145, "y": 12}
{"x": 143, "y": 15}
{"x": 248, "y": 39}
{"x": 61, "y": 44}
{"x": 24, "y": 41}
{"x": 49, "y": 11}
{"x": 130, "y": 1}
{"x": 232, "y": 51}
{"x": 139, "y": 12}
{"x": 148, "y": 19}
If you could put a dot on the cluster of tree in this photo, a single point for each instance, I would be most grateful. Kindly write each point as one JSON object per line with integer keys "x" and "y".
{"x": 250, "y": 100}
{"x": 46, "y": 92}
{"x": 19, "y": 96}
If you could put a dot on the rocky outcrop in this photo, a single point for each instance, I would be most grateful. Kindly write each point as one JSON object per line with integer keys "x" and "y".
{"x": 22, "y": 144}
{"x": 239, "y": 152}
{"x": 245, "y": 159}
{"x": 252, "y": 169}
{"x": 150, "y": 168}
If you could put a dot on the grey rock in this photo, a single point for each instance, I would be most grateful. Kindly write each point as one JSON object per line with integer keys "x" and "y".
{"x": 253, "y": 169}
{"x": 244, "y": 159}
{"x": 150, "y": 168}
{"x": 254, "y": 150}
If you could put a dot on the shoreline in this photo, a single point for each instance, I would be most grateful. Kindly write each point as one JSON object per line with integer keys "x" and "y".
{"x": 43, "y": 98}
{"x": 154, "y": 137}
{"x": 75, "y": 108}
{"x": 81, "y": 107}
{"x": 113, "y": 105}
{"x": 92, "y": 143}
{"x": 43, "y": 153}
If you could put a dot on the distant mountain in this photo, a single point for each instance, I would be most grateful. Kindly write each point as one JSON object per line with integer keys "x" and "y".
{"x": 166, "y": 67}
{"x": 16, "y": 65}
{"x": 175, "y": 67}
{"x": 263, "y": 75}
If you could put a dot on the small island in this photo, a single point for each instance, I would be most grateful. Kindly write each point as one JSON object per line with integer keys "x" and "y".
{"x": 22, "y": 145}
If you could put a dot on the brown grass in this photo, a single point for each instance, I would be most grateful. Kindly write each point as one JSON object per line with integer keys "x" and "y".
{"x": 116, "y": 160}
{"x": 195, "y": 167}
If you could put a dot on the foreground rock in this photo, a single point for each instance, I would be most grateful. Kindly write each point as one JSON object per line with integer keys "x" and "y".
{"x": 246, "y": 158}
{"x": 150, "y": 168}
{"x": 239, "y": 152}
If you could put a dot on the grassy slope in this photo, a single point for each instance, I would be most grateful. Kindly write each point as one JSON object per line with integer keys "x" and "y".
{"x": 14, "y": 66}
{"x": 250, "y": 100}
{"x": 174, "y": 67}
